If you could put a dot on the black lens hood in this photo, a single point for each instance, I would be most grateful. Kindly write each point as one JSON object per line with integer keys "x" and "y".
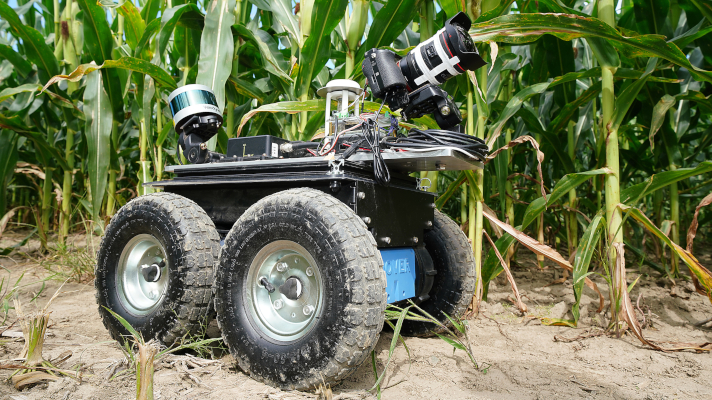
{"x": 468, "y": 60}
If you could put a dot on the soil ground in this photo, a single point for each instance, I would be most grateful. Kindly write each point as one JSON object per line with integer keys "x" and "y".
{"x": 518, "y": 357}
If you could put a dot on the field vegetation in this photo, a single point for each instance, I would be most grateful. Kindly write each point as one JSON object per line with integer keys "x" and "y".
{"x": 598, "y": 114}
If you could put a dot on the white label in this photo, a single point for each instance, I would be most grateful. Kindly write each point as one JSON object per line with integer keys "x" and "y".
{"x": 275, "y": 150}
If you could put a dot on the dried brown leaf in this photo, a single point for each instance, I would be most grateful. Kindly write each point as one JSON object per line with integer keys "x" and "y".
{"x": 520, "y": 305}
{"x": 542, "y": 249}
{"x": 539, "y": 156}
{"x": 692, "y": 231}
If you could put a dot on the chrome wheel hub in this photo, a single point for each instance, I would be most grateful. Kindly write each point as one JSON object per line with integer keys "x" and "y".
{"x": 142, "y": 276}
{"x": 284, "y": 290}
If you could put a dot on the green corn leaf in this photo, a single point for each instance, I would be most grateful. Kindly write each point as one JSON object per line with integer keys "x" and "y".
{"x": 8, "y": 160}
{"x": 584, "y": 252}
{"x": 494, "y": 13}
{"x": 170, "y": 19}
{"x": 491, "y": 267}
{"x": 533, "y": 123}
{"x": 37, "y": 51}
{"x": 150, "y": 10}
{"x": 97, "y": 109}
{"x": 451, "y": 342}
{"x": 627, "y": 97}
{"x": 525, "y": 28}
{"x": 28, "y": 87}
{"x": 388, "y": 23}
{"x": 394, "y": 342}
{"x": 659, "y": 112}
{"x": 660, "y": 180}
{"x": 137, "y": 336}
{"x": 291, "y": 107}
{"x": 148, "y": 33}
{"x": 650, "y": 15}
{"x": 216, "y": 48}
{"x": 282, "y": 11}
{"x": 326, "y": 14}
{"x": 22, "y": 67}
{"x": 246, "y": 88}
{"x": 99, "y": 41}
{"x": 452, "y": 7}
{"x": 512, "y": 107}
{"x": 570, "y": 109}
{"x": 704, "y": 276}
{"x": 128, "y": 63}
{"x": 440, "y": 202}
{"x": 46, "y": 152}
{"x": 704, "y": 7}
{"x": 134, "y": 25}
{"x": 268, "y": 55}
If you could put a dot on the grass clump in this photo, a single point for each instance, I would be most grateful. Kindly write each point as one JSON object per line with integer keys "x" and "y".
{"x": 143, "y": 359}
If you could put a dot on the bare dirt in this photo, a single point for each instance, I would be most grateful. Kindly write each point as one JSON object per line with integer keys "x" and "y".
{"x": 518, "y": 357}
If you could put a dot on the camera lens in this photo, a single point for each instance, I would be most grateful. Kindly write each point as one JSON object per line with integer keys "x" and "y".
{"x": 450, "y": 52}
{"x": 466, "y": 43}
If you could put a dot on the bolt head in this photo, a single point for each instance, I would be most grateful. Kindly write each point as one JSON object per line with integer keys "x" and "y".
{"x": 415, "y": 239}
{"x": 386, "y": 240}
{"x": 429, "y": 224}
{"x": 373, "y": 55}
{"x": 281, "y": 266}
{"x": 203, "y": 146}
{"x": 308, "y": 309}
{"x": 278, "y": 304}
{"x": 310, "y": 271}
{"x": 366, "y": 220}
{"x": 445, "y": 110}
{"x": 361, "y": 195}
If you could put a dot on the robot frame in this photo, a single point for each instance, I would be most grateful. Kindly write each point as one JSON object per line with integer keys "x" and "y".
{"x": 298, "y": 247}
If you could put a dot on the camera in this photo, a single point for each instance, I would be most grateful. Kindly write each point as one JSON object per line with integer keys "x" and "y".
{"x": 411, "y": 83}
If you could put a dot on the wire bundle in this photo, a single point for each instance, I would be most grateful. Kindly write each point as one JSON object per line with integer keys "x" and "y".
{"x": 435, "y": 139}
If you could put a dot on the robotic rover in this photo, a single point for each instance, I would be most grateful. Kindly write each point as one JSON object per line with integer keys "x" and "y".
{"x": 298, "y": 247}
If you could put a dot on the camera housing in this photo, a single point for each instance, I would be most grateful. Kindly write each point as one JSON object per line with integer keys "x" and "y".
{"x": 411, "y": 83}
{"x": 450, "y": 52}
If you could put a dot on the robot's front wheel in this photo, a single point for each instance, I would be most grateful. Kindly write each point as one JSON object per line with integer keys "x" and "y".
{"x": 155, "y": 268}
{"x": 300, "y": 290}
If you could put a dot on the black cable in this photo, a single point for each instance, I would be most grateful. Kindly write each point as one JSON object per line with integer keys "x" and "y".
{"x": 431, "y": 138}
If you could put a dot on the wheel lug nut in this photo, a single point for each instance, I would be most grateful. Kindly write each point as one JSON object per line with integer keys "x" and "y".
{"x": 281, "y": 267}
{"x": 278, "y": 304}
{"x": 310, "y": 271}
{"x": 308, "y": 309}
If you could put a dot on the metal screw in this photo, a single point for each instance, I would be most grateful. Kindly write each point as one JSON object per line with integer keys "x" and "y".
{"x": 310, "y": 271}
{"x": 440, "y": 167}
{"x": 152, "y": 295}
{"x": 203, "y": 146}
{"x": 366, "y": 220}
{"x": 361, "y": 195}
{"x": 445, "y": 110}
{"x": 281, "y": 267}
{"x": 414, "y": 239}
{"x": 373, "y": 55}
{"x": 429, "y": 224}
{"x": 278, "y": 304}
{"x": 386, "y": 240}
{"x": 432, "y": 205}
{"x": 308, "y": 309}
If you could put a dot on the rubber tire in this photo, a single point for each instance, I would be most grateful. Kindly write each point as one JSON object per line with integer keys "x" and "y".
{"x": 454, "y": 283}
{"x": 352, "y": 314}
{"x": 192, "y": 245}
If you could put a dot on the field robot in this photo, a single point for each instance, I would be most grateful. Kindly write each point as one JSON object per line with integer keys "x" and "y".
{"x": 297, "y": 247}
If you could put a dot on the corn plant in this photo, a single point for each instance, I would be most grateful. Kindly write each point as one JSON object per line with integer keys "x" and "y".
{"x": 590, "y": 108}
